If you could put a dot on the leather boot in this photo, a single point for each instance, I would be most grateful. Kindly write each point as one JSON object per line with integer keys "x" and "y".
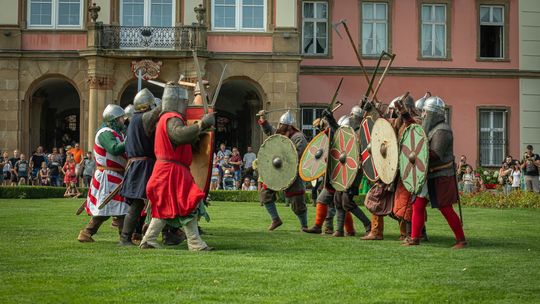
{"x": 328, "y": 230}
{"x": 460, "y": 244}
{"x": 172, "y": 237}
{"x": 275, "y": 223}
{"x": 115, "y": 222}
{"x": 314, "y": 229}
{"x": 125, "y": 240}
{"x": 402, "y": 230}
{"x": 377, "y": 227}
{"x": 409, "y": 241}
{"x": 85, "y": 235}
{"x": 338, "y": 234}
{"x": 136, "y": 238}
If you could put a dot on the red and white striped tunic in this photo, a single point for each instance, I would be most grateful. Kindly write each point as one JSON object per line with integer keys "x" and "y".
{"x": 105, "y": 181}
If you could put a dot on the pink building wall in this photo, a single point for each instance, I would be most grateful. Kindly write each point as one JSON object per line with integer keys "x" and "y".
{"x": 239, "y": 43}
{"x": 53, "y": 41}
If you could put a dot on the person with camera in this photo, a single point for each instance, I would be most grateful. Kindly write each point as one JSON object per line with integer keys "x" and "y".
{"x": 461, "y": 167}
{"x": 530, "y": 165}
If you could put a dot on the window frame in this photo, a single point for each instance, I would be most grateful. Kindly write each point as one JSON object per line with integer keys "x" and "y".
{"x": 506, "y": 119}
{"x": 147, "y": 11}
{"x": 448, "y": 33}
{"x": 389, "y": 19}
{"x": 313, "y": 108}
{"x": 238, "y": 20}
{"x": 329, "y": 33}
{"x": 506, "y": 30}
{"x": 55, "y": 13}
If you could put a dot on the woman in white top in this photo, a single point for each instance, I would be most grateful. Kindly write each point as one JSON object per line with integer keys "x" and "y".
{"x": 516, "y": 177}
{"x": 468, "y": 180}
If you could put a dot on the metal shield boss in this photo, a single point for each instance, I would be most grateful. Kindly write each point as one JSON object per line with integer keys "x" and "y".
{"x": 365, "y": 149}
{"x": 343, "y": 160}
{"x": 313, "y": 161}
{"x": 384, "y": 150}
{"x": 413, "y": 158}
{"x": 277, "y": 162}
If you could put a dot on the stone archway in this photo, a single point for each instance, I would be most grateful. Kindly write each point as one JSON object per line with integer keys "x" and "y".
{"x": 238, "y": 102}
{"x": 53, "y": 114}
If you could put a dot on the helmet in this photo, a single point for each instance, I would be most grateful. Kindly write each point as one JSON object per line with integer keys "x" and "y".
{"x": 357, "y": 111}
{"x": 419, "y": 104}
{"x": 129, "y": 110}
{"x": 435, "y": 104}
{"x": 157, "y": 102}
{"x": 287, "y": 119}
{"x": 112, "y": 112}
{"x": 174, "y": 98}
{"x": 144, "y": 100}
{"x": 343, "y": 121}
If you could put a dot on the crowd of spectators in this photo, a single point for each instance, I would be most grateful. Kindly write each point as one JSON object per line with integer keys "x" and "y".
{"x": 513, "y": 175}
{"x": 232, "y": 171}
{"x": 65, "y": 167}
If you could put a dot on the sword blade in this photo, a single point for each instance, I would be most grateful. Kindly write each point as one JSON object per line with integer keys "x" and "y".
{"x": 161, "y": 84}
{"x": 334, "y": 98}
{"x": 216, "y": 93}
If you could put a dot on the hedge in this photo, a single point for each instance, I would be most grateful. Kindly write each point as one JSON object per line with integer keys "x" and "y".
{"x": 489, "y": 199}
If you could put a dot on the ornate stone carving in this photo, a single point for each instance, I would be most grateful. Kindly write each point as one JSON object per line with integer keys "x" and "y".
{"x": 93, "y": 11}
{"x": 200, "y": 12}
{"x": 150, "y": 69}
{"x": 100, "y": 82}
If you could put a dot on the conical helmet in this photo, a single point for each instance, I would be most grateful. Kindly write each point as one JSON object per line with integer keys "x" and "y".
{"x": 144, "y": 100}
{"x": 112, "y": 112}
{"x": 287, "y": 119}
{"x": 419, "y": 104}
{"x": 129, "y": 110}
{"x": 343, "y": 121}
{"x": 357, "y": 111}
{"x": 435, "y": 104}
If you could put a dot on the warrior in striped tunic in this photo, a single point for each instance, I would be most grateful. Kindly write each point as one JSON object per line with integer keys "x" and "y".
{"x": 109, "y": 153}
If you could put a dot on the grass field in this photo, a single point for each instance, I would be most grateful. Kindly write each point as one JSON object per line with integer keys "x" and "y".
{"x": 41, "y": 261}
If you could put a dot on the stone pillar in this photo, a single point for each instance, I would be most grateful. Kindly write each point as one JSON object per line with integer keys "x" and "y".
{"x": 92, "y": 117}
{"x": 100, "y": 90}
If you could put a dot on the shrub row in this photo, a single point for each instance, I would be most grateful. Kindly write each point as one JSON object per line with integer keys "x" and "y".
{"x": 35, "y": 192}
{"x": 488, "y": 199}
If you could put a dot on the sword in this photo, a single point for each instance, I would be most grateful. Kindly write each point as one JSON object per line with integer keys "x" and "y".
{"x": 81, "y": 208}
{"x": 113, "y": 193}
{"x": 218, "y": 88}
{"x": 279, "y": 110}
{"x": 199, "y": 80}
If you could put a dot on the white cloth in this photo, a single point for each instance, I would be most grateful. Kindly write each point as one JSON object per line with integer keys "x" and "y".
{"x": 516, "y": 179}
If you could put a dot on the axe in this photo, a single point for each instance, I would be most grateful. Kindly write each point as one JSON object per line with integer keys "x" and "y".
{"x": 200, "y": 81}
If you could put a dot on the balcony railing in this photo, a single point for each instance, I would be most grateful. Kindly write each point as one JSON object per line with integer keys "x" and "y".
{"x": 149, "y": 37}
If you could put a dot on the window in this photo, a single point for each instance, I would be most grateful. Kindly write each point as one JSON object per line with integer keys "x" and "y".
{"x": 433, "y": 31}
{"x": 492, "y": 136}
{"x": 491, "y": 31}
{"x": 239, "y": 15}
{"x": 54, "y": 14}
{"x": 374, "y": 28}
{"x": 156, "y": 13}
{"x": 315, "y": 28}
{"x": 308, "y": 116}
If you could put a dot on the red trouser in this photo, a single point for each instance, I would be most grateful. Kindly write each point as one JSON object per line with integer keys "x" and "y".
{"x": 419, "y": 219}
{"x": 320, "y": 214}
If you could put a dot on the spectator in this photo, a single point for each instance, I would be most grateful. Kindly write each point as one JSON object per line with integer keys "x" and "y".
{"x": 252, "y": 185}
{"x": 468, "y": 180}
{"x": 245, "y": 184}
{"x": 509, "y": 160}
{"x": 225, "y": 165}
{"x": 530, "y": 165}
{"x": 479, "y": 183}
{"x": 223, "y": 151}
{"x": 515, "y": 176}
{"x": 88, "y": 168}
{"x": 461, "y": 170}
{"x": 43, "y": 175}
{"x": 54, "y": 170}
{"x": 69, "y": 171}
{"x": 214, "y": 180}
{"x": 504, "y": 176}
{"x": 62, "y": 156}
{"x": 71, "y": 190}
{"x": 13, "y": 161}
{"x": 248, "y": 159}
{"x": 22, "y": 168}
{"x": 6, "y": 168}
{"x": 228, "y": 181}
{"x": 78, "y": 156}
{"x": 236, "y": 162}
{"x": 35, "y": 165}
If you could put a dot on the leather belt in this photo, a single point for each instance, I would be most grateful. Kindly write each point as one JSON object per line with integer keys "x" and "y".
{"x": 441, "y": 167}
{"x": 173, "y": 162}
{"x": 119, "y": 170}
{"x": 139, "y": 158}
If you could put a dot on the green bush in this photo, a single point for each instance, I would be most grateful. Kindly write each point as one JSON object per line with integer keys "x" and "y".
{"x": 488, "y": 199}
{"x": 35, "y": 192}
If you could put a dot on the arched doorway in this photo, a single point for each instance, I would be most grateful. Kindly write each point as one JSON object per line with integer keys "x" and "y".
{"x": 130, "y": 91}
{"x": 238, "y": 102}
{"x": 54, "y": 115}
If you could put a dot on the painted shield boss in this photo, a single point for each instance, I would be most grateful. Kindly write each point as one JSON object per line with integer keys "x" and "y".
{"x": 384, "y": 150}
{"x": 365, "y": 149}
{"x": 413, "y": 158}
{"x": 343, "y": 160}
{"x": 277, "y": 162}
{"x": 313, "y": 161}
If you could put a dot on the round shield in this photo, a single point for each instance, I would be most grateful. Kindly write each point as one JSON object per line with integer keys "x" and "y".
{"x": 344, "y": 158}
{"x": 384, "y": 150}
{"x": 203, "y": 152}
{"x": 365, "y": 147}
{"x": 313, "y": 161}
{"x": 277, "y": 162}
{"x": 413, "y": 158}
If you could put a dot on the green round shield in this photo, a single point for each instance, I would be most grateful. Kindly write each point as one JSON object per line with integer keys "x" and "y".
{"x": 277, "y": 162}
{"x": 313, "y": 161}
{"x": 413, "y": 158}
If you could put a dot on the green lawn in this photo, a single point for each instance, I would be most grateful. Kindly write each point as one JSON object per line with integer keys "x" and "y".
{"x": 41, "y": 261}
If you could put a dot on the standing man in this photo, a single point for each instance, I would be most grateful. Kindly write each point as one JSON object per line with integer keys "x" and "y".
{"x": 236, "y": 162}
{"x": 172, "y": 191}
{"x": 530, "y": 165}
{"x": 109, "y": 151}
{"x": 35, "y": 164}
{"x": 441, "y": 180}
{"x": 248, "y": 160}
{"x": 89, "y": 165}
{"x": 13, "y": 160}
{"x": 140, "y": 152}
{"x": 295, "y": 193}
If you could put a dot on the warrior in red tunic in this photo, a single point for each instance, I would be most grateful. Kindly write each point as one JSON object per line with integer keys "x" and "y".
{"x": 172, "y": 191}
